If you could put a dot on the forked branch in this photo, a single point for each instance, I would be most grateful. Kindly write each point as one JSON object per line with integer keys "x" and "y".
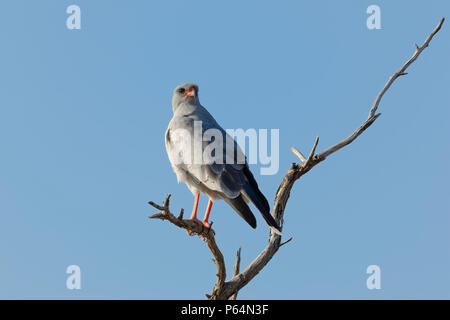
{"x": 228, "y": 289}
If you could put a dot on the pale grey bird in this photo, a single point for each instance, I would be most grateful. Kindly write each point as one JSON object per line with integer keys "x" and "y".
{"x": 232, "y": 182}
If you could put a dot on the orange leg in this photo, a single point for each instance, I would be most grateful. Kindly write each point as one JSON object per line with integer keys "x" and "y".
{"x": 208, "y": 211}
{"x": 205, "y": 219}
{"x": 194, "y": 211}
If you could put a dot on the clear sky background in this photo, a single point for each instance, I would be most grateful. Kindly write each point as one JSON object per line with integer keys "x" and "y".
{"x": 82, "y": 121}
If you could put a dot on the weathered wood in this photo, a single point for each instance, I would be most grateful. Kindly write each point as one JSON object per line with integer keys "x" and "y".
{"x": 236, "y": 270}
{"x": 228, "y": 289}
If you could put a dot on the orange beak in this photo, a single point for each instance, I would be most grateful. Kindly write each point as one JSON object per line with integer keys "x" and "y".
{"x": 190, "y": 92}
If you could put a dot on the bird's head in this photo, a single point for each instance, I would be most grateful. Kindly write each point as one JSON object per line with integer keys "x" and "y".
{"x": 185, "y": 93}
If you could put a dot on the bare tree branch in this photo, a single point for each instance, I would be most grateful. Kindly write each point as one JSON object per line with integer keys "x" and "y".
{"x": 298, "y": 154}
{"x": 228, "y": 289}
{"x": 402, "y": 70}
{"x": 236, "y": 270}
{"x": 286, "y": 242}
{"x": 195, "y": 229}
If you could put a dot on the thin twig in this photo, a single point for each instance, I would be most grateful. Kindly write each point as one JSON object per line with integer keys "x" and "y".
{"x": 287, "y": 241}
{"x": 236, "y": 270}
{"x": 404, "y": 67}
{"x": 298, "y": 154}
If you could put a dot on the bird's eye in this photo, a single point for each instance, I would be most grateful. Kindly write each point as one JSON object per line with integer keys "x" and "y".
{"x": 181, "y": 90}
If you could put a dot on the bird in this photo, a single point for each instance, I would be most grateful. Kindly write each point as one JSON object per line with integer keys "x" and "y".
{"x": 232, "y": 182}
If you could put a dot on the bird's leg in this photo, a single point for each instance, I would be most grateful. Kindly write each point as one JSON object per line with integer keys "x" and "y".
{"x": 205, "y": 219}
{"x": 208, "y": 211}
{"x": 194, "y": 211}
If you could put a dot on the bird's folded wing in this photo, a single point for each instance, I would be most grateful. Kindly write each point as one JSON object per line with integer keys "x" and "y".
{"x": 221, "y": 164}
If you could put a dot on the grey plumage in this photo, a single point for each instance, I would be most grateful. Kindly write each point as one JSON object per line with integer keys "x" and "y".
{"x": 232, "y": 182}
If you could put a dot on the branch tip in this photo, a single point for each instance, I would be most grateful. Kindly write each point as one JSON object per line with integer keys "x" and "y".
{"x": 167, "y": 201}
{"x": 287, "y": 241}
{"x": 158, "y": 215}
{"x": 312, "y": 153}
{"x": 298, "y": 154}
{"x": 180, "y": 216}
{"x": 155, "y": 205}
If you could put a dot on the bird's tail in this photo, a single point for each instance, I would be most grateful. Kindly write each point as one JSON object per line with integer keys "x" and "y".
{"x": 241, "y": 207}
{"x": 259, "y": 200}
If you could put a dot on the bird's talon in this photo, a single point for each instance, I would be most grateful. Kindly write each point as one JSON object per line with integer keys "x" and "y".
{"x": 189, "y": 232}
{"x": 206, "y": 224}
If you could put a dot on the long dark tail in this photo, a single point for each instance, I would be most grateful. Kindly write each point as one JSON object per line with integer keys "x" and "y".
{"x": 239, "y": 205}
{"x": 258, "y": 199}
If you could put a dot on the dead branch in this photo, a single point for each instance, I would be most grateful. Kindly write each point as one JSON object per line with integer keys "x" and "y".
{"x": 236, "y": 270}
{"x": 195, "y": 229}
{"x": 228, "y": 289}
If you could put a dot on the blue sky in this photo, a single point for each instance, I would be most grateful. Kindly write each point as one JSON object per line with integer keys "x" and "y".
{"x": 82, "y": 121}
